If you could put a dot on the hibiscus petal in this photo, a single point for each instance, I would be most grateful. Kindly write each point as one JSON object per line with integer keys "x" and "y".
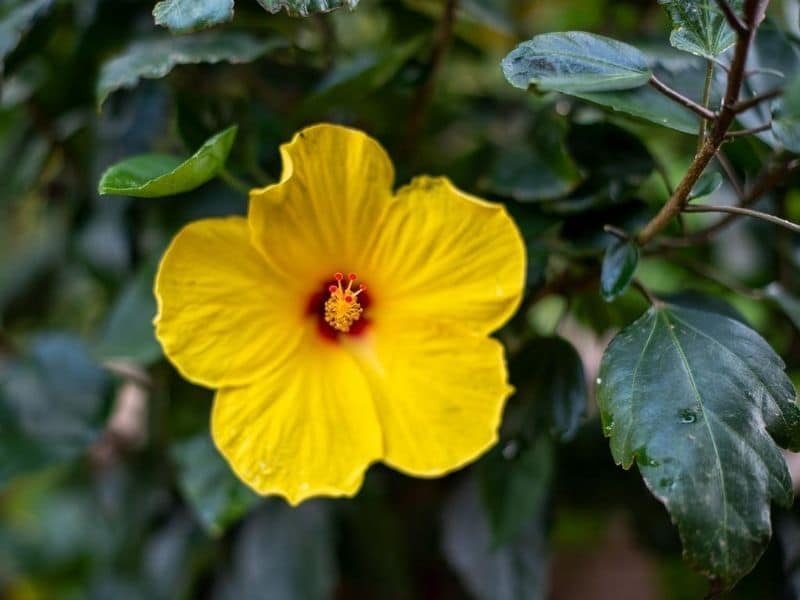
{"x": 336, "y": 185}
{"x": 220, "y": 317}
{"x": 440, "y": 395}
{"x": 308, "y": 429}
{"x": 444, "y": 254}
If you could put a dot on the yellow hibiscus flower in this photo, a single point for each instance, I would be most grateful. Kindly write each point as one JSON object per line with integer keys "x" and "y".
{"x": 343, "y": 324}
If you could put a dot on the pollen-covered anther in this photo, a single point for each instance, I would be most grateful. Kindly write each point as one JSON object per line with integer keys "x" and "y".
{"x": 342, "y": 308}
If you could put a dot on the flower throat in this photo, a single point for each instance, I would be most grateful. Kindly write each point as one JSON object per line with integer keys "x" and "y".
{"x": 342, "y": 308}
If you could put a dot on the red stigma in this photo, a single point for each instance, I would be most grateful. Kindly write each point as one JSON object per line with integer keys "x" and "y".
{"x": 332, "y": 288}
{"x": 352, "y": 276}
{"x": 348, "y": 299}
{"x": 338, "y": 276}
{"x": 362, "y": 287}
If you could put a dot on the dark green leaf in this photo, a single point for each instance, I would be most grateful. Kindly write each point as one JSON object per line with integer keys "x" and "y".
{"x": 52, "y": 404}
{"x": 303, "y": 8}
{"x": 16, "y": 18}
{"x": 283, "y": 553}
{"x": 541, "y": 169}
{"x": 156, "y": 175}
{"x": 514, "y": 481}
{"x": 699, "y": 27}
{"x": 216, "y": 496}
{"x": 773, "y": 51}
{"x": 647, "y": 103}
{"x": 357, "y": 77}
{"x": 619, "y": 266}
{"x": 786, "y": 118}
{"x": 575, "y": 61}
{"x": 128, "y": 332}
{"x": 693, "y": 397}
{"x": 708, "y": 183}
{"x": 515, "y": 570}
{"x": 551, "y": 391}
{"x": 155, "y": 58}
{"x": 181, "y": 16}
{"x": 788, "y": 303}
{"x": 611, "y": 177}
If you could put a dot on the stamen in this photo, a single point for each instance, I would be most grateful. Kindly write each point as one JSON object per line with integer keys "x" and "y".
{"x": 342, "y": 308}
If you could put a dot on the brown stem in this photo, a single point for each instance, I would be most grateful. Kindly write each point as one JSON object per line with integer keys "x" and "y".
{"x": 675, "y": 95}
{"x": 699, "y": 268}
{"x": 617, "y": 232}
{"x": 751, "y": 131}
{"x": 749, "y": 103}
{"x": 748, "y": 212}
{"x": 422, "y": 100}
{"x": 754, "y": 13}
{"x": 733, "y": 19}
{"x": 730, "y": 172}
{"x": 766, "y": 182}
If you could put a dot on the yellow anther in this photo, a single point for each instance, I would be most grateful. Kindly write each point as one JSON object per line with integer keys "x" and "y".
{"x": 342, "y": 308}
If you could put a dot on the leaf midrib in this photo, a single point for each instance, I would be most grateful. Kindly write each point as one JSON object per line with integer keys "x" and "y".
{"x": 699, "y": 398}
{"x": 592, "y": 60}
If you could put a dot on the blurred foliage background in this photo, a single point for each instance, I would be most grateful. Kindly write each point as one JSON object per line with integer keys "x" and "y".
{"x": 110, "y": 486}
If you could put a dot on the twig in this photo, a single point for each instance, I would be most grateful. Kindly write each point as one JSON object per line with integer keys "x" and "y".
{"x": 675, "y": 95}
{"x": 748, "y": 103}
{"x": 234, "y": 182}
{"x": 754, "y": 13}
{"x": 651, "y": 298}
{"x": 701, "y": 137}
{"x": 730, "y": 172}
{"x": 617, "y": 232}
{"x": 733, "y": 19}
{"x": 765, "y": 182}
{"x": 749, "y": 212}
{"x": 751, "y": 131}
{"x": 719, "y": 278}
{"x": 422, "y": 100}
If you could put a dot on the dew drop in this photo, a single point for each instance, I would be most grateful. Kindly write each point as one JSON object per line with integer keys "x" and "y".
{"x": 687, "y": 416}
{"x": 599, "y": 381}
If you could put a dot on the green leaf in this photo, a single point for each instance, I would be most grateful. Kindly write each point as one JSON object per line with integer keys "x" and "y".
{"x": 52, "y": 405}
{"x": 619, "y": 266}
{"x": 16, "y": 18}
{"x": 551, "y": 391}
{"x": 303, "y": 8}
{"x": 128, "y": 332}
{"x": 509, "y": 572}
{"x": 699, "y": 27}
{"x": 693, "y": 397}
{"x": 360, "y": 76}
{"x": 786, "y": 117}
{"x": 156, "y": 57}
{"x": 514, "y": 483}
{"x": 181, "y": 16}
{"x": 209, "y": 486}
{"x": 283, "y": 552}
{"x": 788, "y": 303}
{"x": 575, "y": 61}
{"x": 156, "y": 175}
{"x": 647, "y": 103}
{"x": 708, "y": 183}
{"x": 540, "y": 168}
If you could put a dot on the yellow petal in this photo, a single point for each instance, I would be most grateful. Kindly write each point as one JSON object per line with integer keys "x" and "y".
{"x": 222, "y": 316}
{"x": 440, "y": 395}
{"x": 307, "y": 429}
{"x": 444, "y": 254}
{"x": 335, "y": 187}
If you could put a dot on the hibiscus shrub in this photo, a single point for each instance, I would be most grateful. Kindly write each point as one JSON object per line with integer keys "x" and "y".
{"x": 312, "y": 299}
